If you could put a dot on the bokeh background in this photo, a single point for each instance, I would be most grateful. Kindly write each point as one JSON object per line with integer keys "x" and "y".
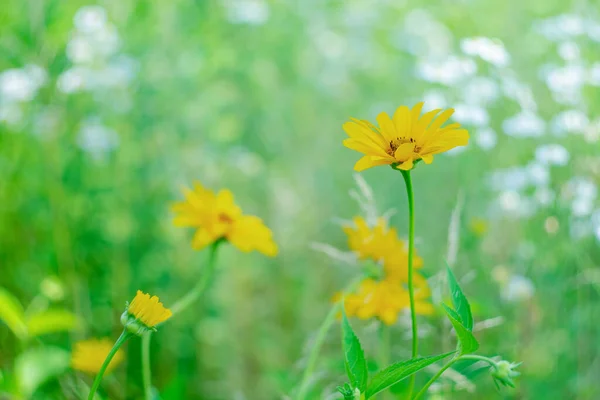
{"x": 107, "y": 109}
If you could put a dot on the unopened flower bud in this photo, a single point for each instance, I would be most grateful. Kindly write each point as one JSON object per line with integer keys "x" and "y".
{"x": 503, "y": 372}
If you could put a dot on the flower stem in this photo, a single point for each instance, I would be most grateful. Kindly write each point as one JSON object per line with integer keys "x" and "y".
{"x": 120, "y": 341}
{"x": 448, "y": 365}
{"x": 320, "y": 338}
{"x": 146, "y": 371}
{"x": 384, "y": 350}
{"x": 411, "y": 292}
{"x": 178, "y": 307}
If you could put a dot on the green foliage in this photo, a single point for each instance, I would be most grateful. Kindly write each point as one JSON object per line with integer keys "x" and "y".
{"x": 354, "y": 357}
{"x": 12, "y": 314}
{"x": 36, "y": 366}
{"x": 460, "y": 302}
{"x": 399, "y": 371}
{"x": 52, "y": 321}
{"x": 466, "y": 341}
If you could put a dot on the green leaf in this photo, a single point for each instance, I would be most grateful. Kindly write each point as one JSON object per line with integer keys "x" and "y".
{"x": 398, "y": 371}
{"x": 37, "y": 366}
{"x": 356, "y": 365}
{"x": 466, "y": 341}
{"x": 460, "y": 302}
{"x": 12, "y": 314}
{"x": 52, "y": 321}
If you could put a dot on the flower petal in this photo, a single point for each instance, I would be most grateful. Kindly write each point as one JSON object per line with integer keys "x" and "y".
{"x": 427, "y": 159}
{"x": 358, "y": 130}
{"x": 367, "y": 162}
{"x": 418, "y": 131}
{"x": 365, "y": 148}
{"x": 404, "y": 151}
{"x": 402, "y": 121}
{"x": 406, "y": 165}
{"x": 386, "y": 126}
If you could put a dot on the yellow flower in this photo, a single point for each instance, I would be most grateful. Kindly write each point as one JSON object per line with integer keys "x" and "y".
{"x": 218, "y": 217}
{"x": 381, "y": 243}
{"x": 385, "y": 299}
{"x": 88, "y": 356}
{"x": 148, "y": 310}
{"x": 404, "y": 138}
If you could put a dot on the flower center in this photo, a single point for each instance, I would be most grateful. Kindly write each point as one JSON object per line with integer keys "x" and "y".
{"x": 394, "y": 144}
{"x": 225, "y": 218}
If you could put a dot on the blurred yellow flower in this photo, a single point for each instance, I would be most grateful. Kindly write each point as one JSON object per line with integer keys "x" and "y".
{"x": 385, "y": 299}
{"x": 381, "y": 243}
{"x": 88, "y": 356}
{"x": 218, "y": 217}
{"x": 404, "y": 138}
{"x": 148, "y": 310}
{"x": 478, "y": 226}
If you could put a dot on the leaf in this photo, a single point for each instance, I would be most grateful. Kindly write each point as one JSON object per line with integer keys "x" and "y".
{"x": 398, "y": 371}
{"x": 52, "y": 321}
{"x": 37, "y": 366}
{"x": 466, "y": 341}
{"x": 12, "y": 314}
{"x": 356, "y": 365}
{"x": 460, "y": 302}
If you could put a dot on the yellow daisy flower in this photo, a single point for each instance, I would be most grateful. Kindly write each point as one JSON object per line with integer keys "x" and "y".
{"x": 385, "y": 299}
{"x": 88, "y": 356}
{"x": 404, "y": 138}
{"x": 216, "y": 216}
{"x": 148, "y": 310}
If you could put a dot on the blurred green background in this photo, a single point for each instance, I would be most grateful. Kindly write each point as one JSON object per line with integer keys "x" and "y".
{"x": 108, "y": 109}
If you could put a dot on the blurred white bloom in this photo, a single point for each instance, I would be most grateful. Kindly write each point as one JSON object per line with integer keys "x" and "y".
{"x": 471, "y": 114}
{"x": 490, "y": 50}
{"x": 486, "y": 138}
{"x": 580, "y": 228}
{"x": 509, "y": 179}
{"x": 96, "y": 139}
{"x": 249, "y": 164}
{"x": 21, "y": 84}
{"x": 552, "y": 154}
{"x": 569, "y": 121}
{"x": 591, "y": 133}
{"x": 448, "y": 72}
{"x": 582, "y": 206}
{"x": 11, "y": 113}
{"x": 538, "y": 174}
{"x": 593, "y": 30}
{"x": 72, "y": 80}
{"x": 514, "y": 89}
{"x": 253, "y": 12}
{"x": 79, "y": 50}
{"x": 518, "y": 288}
{"x": 45, "y": 122}
{"x": 480, "y": 90}
{"x": 90, "y": 19}
{"x": 424, "y": 36}
{"x": 566, "y": 83}
{"x": 544, "y": 196}
{"x": 596, "y": 218}
{"x": 561, "y": 27}
{"x": 597, "y": 233}
{"x": 594, "y": 74}
{"x": 524, "y": 124}
{"x": 330, "y": 44}
{"x": 434, "y": 99}
{"x": 510, "y": 200}
{"x": 515, "y": 205}
{"x": 568, "y": 51}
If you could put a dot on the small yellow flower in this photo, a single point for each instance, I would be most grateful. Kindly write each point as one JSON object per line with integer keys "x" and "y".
{"x": 216, "y": 216}
{"x": 404, "y": 138}
{"x": 88, "y": 356}
{"x": 385, "y": 299}
{"x": 148, "y": 310}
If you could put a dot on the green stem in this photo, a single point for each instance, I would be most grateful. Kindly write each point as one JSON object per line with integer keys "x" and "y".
{"x": 316, "y": 348}
{"x": 178, "y": 307}
{"x": 411, "y": 292}
{"x": 384, "y": 350}
{"x": 448, "y": 365}
{"x": 146, "y": 369}
{"x": 125, "y": 335}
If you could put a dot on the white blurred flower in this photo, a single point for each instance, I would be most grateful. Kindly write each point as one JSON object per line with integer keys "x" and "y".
{"x": 435, "y": 99}
{"x": 423, "y": 36}
{"x": 96, "y": 139}
{"x": 249, "y": 164}
{"x": 21, "y": 84}
{"x": 11, "y": 113}
{"x": 538, "y": 174}
{"x": 544, "y": 196}
{"x": 518, "y": 288}
{"x": 568, "y": 51}
{"x": 517, "y": 90}
{"x": 524, "y": 124}
{"x": 490, "y": 50}
{"x": 594, "y": 74}
{"x": 72, "y": 80}
{"x": 509, "y": 179}
{"x": 580, "y": 228}
{"x": 582, "y": 206}
{"x": 253, "y": 12}
{"x": 471, "y": 114}
{"x": 552, "y": 154}
{"x": 561, "y": 27}
{"x": 569, "y": 121}
{"x": 486, "y": 138}
{"x": 450, "y": 71}
{"x": 566, "y": 83}
{"x": 90, "y": 19}
{"x": 480, "y": 90}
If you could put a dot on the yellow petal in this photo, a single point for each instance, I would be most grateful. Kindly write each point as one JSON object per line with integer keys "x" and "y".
{"x": 388, "y": 131}
{"x": 202, "y": 238}
{"x": 439, "y": 121}
{"x": 402, "y": 121}
{"x": 415, "y": 113}
{"x": 419, "y": 130}
{"x": 404, "y": 152}
{"x": 406, "y": 165}
{"x": 367, "y": 162}
{"x": 250, "y": 233}
{"x": 427, "y": 159}
{"x": 358, "y": 129}
{"x": 363, "y": 147}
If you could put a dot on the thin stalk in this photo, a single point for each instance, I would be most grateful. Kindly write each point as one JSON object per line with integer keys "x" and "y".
{"x": 183, "y": 303}
{"x": 125, "y": 335}
{"x": 411, "y": 292}
{"x": 448, "y": 365}
{"x": 322, "y": 332}
{"x": 384, "y": 350}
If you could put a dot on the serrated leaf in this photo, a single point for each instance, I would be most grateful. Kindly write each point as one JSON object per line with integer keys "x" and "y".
{"x": 12, "y": 314}
{"x": 466, "y": 341}
{"x": 37, "y": 366}
{"x": 399, "y": 371}
{"x": 356, "y": 365}
{"x": 460, "y": 302}
{"x": 52, "y": 321}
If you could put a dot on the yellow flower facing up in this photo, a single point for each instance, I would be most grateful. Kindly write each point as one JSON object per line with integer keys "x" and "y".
{"x": 216, "y": 216}
{"x": 404, "y": 138}
{"x": 381, "y": 243}
{"x": 88, "y": 356}
{"x": 386, "y": 299}
{"x": 144, "y": 313}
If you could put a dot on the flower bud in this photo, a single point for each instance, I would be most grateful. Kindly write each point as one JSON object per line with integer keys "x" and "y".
{"x": 503, "y": 372}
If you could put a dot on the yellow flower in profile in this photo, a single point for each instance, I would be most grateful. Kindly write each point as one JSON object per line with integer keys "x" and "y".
{"x": 148, "y": 310}
{"x": 216, "y": 216}
{"x": 385, "y": 299}
{"x": 404, "y": 138}
{"x": 88, "y": 356}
